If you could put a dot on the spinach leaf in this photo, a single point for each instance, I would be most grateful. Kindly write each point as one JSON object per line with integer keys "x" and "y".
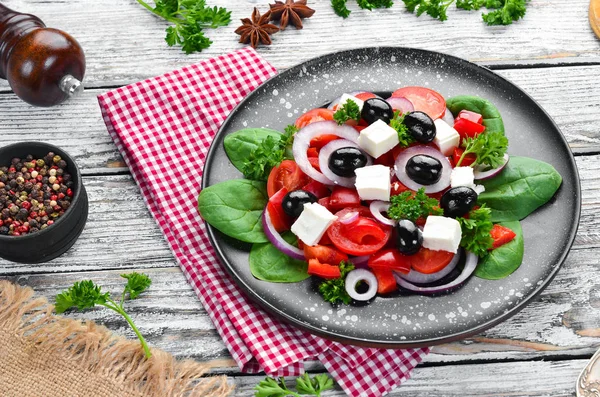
{"x": 524, "y": 185}
{"x": 269, "y": 264}
{"x": 240, "y": 144}
{"x": 235, "y": 208}
{"x": 505, "y": 259}
{"x": 491, "y": 116}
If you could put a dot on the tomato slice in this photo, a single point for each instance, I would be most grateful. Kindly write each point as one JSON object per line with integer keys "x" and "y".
{"x": 424, "y": 99}
{"x": 281, "y": 221}
{"x": 501, "y": 235}
{"x": 324, "y": 254}
{"x": 468, "y": 129}
{"x": 390, "y": 259}
{"x": 323, "y": 270}
{"x": 468, "y": 160}
{"x": 363, "y": 237}
{"x": 288, "y": 175}
{"x": 342, "y": 197}
{"x": 428, "y": 261}
{"x": 314, "y": 115}
{"x": 322, "y": 140}
{"x": 317, "y": 188}
{"x": 312, "y": 152}
{"x": 472, "y": 116}
{"x": 386, "y": 159}
{"x": 386, "y": 282}
{"x": 325, "y": 203}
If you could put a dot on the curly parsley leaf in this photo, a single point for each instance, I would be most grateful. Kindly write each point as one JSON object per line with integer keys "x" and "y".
{"x": 305, "y": 385}
{"x": 397, "y": 123}
{"x": 85, "y": 295}
{"x": 313, "y": 386}
{"x": 476, "y": 231}
{"x": 488, "y": 147}
{"x": 512, "y": 10}
{"x": 334, "y": 291}
{"x": 434, "y": 8}
{"x": 268, "y": 154}
{"x": 189, "y": 19}
{"x": 339, "y": 7}
{"x": 407, "y": 205}
{"x": 348, "y": 111}
{"x": 371, "y": 4}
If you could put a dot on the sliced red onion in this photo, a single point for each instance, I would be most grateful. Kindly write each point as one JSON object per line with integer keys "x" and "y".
{"x": 400, "y": 103}
{"x": 481, "y": 175}
{"x": 448, "y": 117}
{"x": 470, "y": 265}
{"x": 407, "y": 154}
{"x": 305, "y": 135}
{"x": 326, "y": 152}
{"x": 421, "y": 278}
{"x": 349, "y": 218}
{"x": 354, "y": 277}
{"x": 278, "y": 241}
{"x": 377, "y": 207}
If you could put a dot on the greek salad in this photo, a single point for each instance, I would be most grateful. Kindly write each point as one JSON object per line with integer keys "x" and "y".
{"x": 414, "y": 193}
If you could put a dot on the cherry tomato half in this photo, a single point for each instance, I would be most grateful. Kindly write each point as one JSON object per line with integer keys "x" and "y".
{"x": 428, "y": 261}
{"x": 314, "y": 115}
{"x": 424, "y": 99}
{"x": 390, "y": 259}
{"x": 468, "y": 129}
{"x": 281, "y": 221}
{"x": 343, "y": 197}
{"x": 501, "y": 235}
{"x": 324, "y": 254}
{"x": 288, "y": 175}
{"x": 365, "y": 236}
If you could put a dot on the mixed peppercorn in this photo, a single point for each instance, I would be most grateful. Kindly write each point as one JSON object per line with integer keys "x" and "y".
{"x": 34, "y": 193}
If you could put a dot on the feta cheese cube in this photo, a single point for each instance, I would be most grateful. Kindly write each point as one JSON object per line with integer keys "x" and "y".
{"x": 446, "y": 137}
{"x": 479, "y": 189}
{"x": 373, "y": 182}
{"x": 312, "y": 223}
{"x": 344, "y": 98}
{"x": 441, "y": 234}
{"x": 462, "y": 176}
{"x": 378, "y": 138}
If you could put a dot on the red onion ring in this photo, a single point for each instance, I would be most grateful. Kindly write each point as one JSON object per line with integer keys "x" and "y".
{"x": 354, "y": 277}
{"x": 402, "y": 104}
{"x": 448, "y": 117}
{"x": 336, "y": 101}
{"x": 305, "y": 135}
{"x": 481, "y": 175}
{"x": 421, "y": 278}
{"x": 349, "y": 218}
{"x": 470, "y": 265}
{"x": 377, "y": 207}
{"x": 278, "y": 241}
{"x": 407, "y": 154}
{"x": 326, "y": 152}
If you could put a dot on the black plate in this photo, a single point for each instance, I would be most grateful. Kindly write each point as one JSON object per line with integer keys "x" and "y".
{"x": 407, "y": 321}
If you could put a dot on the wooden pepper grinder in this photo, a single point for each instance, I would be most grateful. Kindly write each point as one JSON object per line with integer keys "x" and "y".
{"x": 43, "y": 66}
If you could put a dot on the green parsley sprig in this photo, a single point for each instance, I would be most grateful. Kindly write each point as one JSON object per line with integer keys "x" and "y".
{"x": 488, "y": 147}
{"x": 434, "y": 8}
{"x": 504, "y": 12}
{"x": 305, "y": 385}
{"x": 340, "y": 8}
{"x": 347, "y": 111}
{"x": 334, "y": 291}
{"x": 412, "y": 207}
{"x": 397, "y": 123}
{"x": 270, "y": 153}
{"x": 476, "y": 230}
{"x": 190, "y": 18}
{"x": 85, "y": 295}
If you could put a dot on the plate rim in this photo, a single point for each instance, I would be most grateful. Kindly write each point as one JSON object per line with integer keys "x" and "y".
{"x": 365, "y": 342}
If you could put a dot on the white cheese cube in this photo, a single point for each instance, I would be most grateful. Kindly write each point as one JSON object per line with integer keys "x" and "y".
{"x": 373, "y": 182}
{"x": 378, "y": 138}
{"x": 446, "y": 137}
{"x": 441, "y": 234}
{"x": 479, "y": 189}
{"x": 344, "y": 98}
{"x": 312, "y": 223}
{"x": 462, "y": 176}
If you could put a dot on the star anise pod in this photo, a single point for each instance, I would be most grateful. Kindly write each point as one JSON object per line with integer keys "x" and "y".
{"x": 257, "y": 30}
{"x": 290, "y": 12}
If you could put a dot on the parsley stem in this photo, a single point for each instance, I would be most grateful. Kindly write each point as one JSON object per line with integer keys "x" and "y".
{"x": 115, "y": 307}
{"x": 147, "y": 6}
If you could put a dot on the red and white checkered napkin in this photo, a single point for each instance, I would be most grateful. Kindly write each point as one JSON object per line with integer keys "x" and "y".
{"x": 163, "y": 127}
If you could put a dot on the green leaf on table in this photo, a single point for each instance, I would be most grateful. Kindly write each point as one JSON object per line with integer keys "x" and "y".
{"x": 504, "y": 260}
{"x": 235, "y": 208}
{"x": 523, "y": 186}
{"x": 270, "y": 264}
{"x": 492, "y": 120}
{"x": 83, "y": 295}
{"x": 313, "y": 386}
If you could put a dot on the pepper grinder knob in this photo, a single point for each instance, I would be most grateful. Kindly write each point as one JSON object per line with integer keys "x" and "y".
{"x": 43, "y": 66}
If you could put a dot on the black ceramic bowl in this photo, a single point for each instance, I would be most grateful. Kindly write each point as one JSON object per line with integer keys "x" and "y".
{"x": 56, "y": 239}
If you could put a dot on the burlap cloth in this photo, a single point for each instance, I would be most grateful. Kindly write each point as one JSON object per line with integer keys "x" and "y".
{"x": 43, "y": 355}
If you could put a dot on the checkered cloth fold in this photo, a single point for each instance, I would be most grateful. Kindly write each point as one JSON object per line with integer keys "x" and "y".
{"x": 163, "y": 128}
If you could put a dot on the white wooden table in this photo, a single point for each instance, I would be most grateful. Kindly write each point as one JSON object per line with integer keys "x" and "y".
{"x": 552, "y": 54}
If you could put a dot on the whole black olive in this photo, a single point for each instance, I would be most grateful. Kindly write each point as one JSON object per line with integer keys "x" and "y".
{"x": 424, "y": 169}
{"x": 458, "y": 201}
{"x": 293, "y": 202}
{"x": 377, "y": 109}
{"x": 345, "y": 160}
{"x": 420, "y": 126}
{"x": 409, "y": 237}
